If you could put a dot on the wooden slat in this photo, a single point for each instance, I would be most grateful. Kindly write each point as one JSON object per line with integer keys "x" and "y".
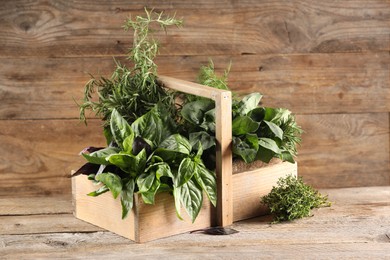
{"x": 310, "y": 83}
{"x": 345, "y": 150}
{"x": 93, "y": 28}
{"x": 38, "y": 155}
{"x": 338, "y": 150}
{"x": 356, "y": 226}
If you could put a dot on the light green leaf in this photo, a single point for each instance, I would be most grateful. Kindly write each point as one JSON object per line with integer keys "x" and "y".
{"x": 145, "y": 181}
{"x": 128, "y": 162}
{"x": 177, "y": 198}
{"x": 191, "y": 198}
{"x": 175, "y": 147}
{"x": 112, "y": 181}
{"x": 120, "y": 129}
{"x": 244, "y": 125}
{"x": 148, "y": 196}
{"x": 207, "y": 182}
{"x": 248, "y": 103}
{"x": 276, "y": 130}
{"x": 127, "y": 197}
{"x": 186, "y": 170}
{"x": 269, "y": 144}
{"x": 99, "y": 157}
{"x": 101, "y": 190}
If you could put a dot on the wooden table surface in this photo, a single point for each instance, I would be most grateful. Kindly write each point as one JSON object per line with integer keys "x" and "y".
{"x": 356, "y": 226}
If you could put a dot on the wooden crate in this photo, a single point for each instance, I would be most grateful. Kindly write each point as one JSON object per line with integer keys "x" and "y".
{"x": 238, "y": 194}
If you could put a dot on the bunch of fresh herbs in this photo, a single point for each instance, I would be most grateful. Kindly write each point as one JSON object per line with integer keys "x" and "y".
{"x": 293, "y": 199}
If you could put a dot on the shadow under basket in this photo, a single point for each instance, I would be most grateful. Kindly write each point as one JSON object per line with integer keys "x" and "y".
{"x": 239, "y": 194}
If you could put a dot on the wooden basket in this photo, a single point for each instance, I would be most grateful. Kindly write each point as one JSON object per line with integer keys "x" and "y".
{"x": 238, "y": 194}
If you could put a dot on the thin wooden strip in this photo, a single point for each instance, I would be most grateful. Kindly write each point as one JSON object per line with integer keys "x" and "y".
{"x": 72, "y": 29}
{"x": 37, "y": 224}
{"x": 310, "y": 83}
{"x": 36, "y": 205}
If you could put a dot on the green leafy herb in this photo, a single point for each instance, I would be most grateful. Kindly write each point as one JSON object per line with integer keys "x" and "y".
{"x": 293, "y": 199}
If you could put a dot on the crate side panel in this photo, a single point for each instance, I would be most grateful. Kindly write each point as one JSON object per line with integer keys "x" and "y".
{"x": 103, "y": 211}
{"x": 160, "y": 220}
{"x": 250, "y": 186}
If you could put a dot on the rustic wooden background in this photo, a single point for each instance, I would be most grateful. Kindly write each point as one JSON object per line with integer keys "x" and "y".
{"x": 327, "y": 61}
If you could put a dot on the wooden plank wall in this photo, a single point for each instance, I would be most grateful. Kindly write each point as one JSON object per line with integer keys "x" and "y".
{"x": 327, "y": 61}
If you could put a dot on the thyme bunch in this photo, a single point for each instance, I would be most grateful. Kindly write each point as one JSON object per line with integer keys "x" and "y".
{"x": 293, "y": 199}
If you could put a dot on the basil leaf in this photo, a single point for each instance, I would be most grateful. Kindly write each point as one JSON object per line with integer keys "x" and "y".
{"x": 286, "y": 156}
{"x": 145, "y": 181}
{"x": 174, "y": 148}
{"x": 101, "y": 190}
{"x": 148, "y": 196}
{"x": 207, "y": 182}
{"x": 121, "y": 130}
{"x": 185, "y": 172}
{"x": 112, "y": 181}
{"x": 177, "y": 198}
{"x": 155, "y": 126}
{"x": 127, "y": 197}
{"x": 191, "y": 198}
{"x": 99, "y": 157}
{"x": 243, "y": 125}
{"x": 128, "y": 162}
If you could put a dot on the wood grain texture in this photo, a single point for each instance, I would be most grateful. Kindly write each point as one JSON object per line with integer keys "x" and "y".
{"x": 341, "y": 150}
{"x": 355, "y": 227}
{"x": 38, "y": 155}
{"x": 92, "y": 28}
{"x": 330, "y": 58}
{"x": 307, "y": 83}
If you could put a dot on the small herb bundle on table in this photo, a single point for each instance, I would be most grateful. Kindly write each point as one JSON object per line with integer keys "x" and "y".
{"x": 293, "y": 199}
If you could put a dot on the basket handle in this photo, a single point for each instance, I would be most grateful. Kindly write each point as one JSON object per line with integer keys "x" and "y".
{"x": 223, "y": 132}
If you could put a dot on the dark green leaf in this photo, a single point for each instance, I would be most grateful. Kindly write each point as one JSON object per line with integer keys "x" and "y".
{"x": 99, "y": 157}
{"x": 145, "y": 181}
{"x": 128, "y": 162}
{"x": 286, "y": 156}
{"x": 264, "y": 154}
{"x": 204, "y": 138}
{"x": 257, "y": 114}
{"x": 148, "y": 196}
{"x": 112, "y": 181}
{"x": 155, "y": 125}
{"x": 209, "y": 121}
{"x": 121, "y": 130}
{"x": 127, "y": 197}
{"x": 244, "y": 125}
{"x": 194, "y": 111}
{"x": 245, "y": 149}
